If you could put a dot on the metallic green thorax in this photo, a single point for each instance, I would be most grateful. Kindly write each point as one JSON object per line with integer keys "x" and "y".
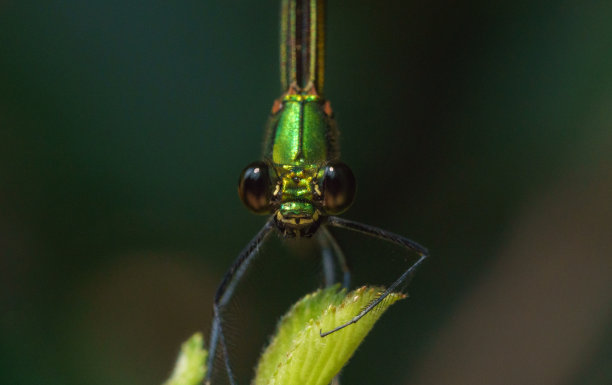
{"x": 301, "y": 138}
{"x": 301, "y": 132}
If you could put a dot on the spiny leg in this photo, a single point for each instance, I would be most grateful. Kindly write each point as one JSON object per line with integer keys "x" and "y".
{"x": 224, "y": 294}
{"x": 389, "y": 237}
{"x": 228, "y": 367}
{"x": 329, "y": 246}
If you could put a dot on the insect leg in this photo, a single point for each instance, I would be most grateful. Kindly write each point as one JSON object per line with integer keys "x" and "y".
{"x": 327, "y": 258}
{"x": 329, "y": 249}
{"x": 389, "y": 237}
{"x": 224, "y": 294}
{"x": 329, "y": 244}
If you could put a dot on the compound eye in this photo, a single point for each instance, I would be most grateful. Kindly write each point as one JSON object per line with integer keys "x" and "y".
{"x": 254, "y": 187}
{"x": 338, "y": 187}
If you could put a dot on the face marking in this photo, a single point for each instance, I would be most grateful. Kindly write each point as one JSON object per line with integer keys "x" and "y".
{"x": 297, "y": 220}
{"x": 298, "y": 198}
{"x": 297, "y": 183}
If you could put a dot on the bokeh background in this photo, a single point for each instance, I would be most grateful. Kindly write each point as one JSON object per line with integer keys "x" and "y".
{"x": 480, "y": 129}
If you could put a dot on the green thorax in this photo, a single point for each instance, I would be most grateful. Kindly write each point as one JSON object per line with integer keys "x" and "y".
{"x": 301, "y": 131}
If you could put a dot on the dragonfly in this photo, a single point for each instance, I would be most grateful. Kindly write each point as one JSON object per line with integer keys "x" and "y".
{"x": 300, "y": 183}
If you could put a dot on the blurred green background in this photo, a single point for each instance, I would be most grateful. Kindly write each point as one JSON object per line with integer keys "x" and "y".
{"x": 480, "y": 129}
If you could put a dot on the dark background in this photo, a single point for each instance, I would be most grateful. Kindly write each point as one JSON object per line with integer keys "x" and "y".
{"x": 480, "y": 129}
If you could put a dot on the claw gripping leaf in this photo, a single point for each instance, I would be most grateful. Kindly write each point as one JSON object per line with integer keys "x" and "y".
{"x": 298, "y": 355}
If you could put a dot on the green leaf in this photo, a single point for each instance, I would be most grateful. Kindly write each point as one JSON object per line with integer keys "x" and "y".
{"x": 298, "y": 355}
{"x": 190, "y": 366}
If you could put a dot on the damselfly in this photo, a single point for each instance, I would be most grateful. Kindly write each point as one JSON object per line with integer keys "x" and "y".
{"x": 300, "y": 182}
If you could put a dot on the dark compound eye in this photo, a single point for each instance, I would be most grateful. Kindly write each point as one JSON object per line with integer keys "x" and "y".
{"x": 254, "y": 187}
{"x": 338, "y": 187}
